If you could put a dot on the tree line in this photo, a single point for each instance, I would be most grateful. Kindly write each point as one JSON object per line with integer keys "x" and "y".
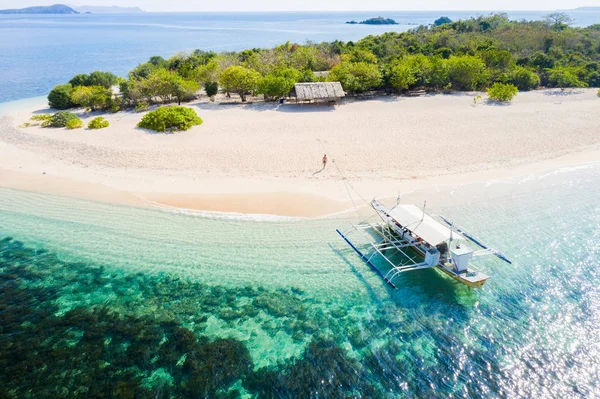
{"x": 464, "y": 55}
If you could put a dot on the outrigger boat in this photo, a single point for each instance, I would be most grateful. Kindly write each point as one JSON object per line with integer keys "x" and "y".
{"x": 409, "y": 239}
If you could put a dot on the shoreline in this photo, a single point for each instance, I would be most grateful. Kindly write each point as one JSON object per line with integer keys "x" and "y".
{"x": 301, "y": 201}
{"x": 252, "y": 159}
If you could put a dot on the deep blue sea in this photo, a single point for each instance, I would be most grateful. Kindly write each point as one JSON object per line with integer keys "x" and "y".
{"x": 38, "y": 52}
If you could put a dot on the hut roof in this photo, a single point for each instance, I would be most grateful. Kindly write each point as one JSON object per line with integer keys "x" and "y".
{"x": 319, "y": 90}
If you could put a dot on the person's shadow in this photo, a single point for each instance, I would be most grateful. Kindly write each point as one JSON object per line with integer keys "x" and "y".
{"x": 319, "y": 171}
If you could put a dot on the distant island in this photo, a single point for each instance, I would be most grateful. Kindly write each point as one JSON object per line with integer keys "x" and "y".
{"x": 109, "y": 10}
{"x": 375, "y": 21}
{"x": 54, "y": 9}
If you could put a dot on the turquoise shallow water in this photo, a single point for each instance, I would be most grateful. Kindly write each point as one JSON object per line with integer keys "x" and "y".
{"x": 103, "y": 299}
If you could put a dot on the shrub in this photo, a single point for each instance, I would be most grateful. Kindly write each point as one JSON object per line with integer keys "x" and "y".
{"x": 45, "y": 119}
{"x": 411, "y": 71}
{"x": 114, "y": 104}
{"x": 93, "y": 97}
{"x": 211, "y": 88}
{"x": 60, "y": 119}
{"x": 98, "y": 78}
{"x": 170, "y": 118}
{"x": 182, "y": 89}
{"x": 81, "y": 79}
{"x": 502, "y": 92}
{"x": 41, "y": 117}
{"x": 466, "y": 72}
{"x": 74, "y": 123}
{"x": 141, "y": 107}
{"x": 565, "y": 77}
{"x": 523, "y": 78}
{"x": 98, "y": 123}
{"x": 60, "y": 97}
{"x": 598, "y": 92}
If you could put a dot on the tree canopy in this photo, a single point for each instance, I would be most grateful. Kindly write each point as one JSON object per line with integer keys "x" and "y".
{"x": 98, "y": 78}
{"x": 471, "y": 54}
{"x": 240, "y": 80}
{"x": 357, "y": 77}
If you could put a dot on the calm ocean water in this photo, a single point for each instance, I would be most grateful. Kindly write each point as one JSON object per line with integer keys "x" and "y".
{"x": 99, "y": 299}
{"x": 96, "y": 296}
{"x": 38, "y": 52}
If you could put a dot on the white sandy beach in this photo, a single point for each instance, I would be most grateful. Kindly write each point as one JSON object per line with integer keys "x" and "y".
{"x": 266, "y": 158}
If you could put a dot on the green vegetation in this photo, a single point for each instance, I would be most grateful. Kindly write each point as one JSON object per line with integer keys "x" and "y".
{"x": 98, "y": 123}
{"x": 375, "y": 21}
{"x": 279, "y": 83}
{"x": 170, "y": 119}
{"x": 60, "y": 119}
{"x": 466, "y": 72}
{"x": 525, "y": 79}
{"x": 60, "y": 97}
{"x": 74, "y": 124}
{"x": 442, "y": 21}
{"x": 98, "y": 78}
{"x": 357, "y": 77}
{"x": 240, "y": 80}
{"x": 211, "y": 88}
{"x": 161, "y": 85}
{"x": 412, "y": 71}
{"x": 564, "y": 77}
{"x": 502, "y": 92}
{"x": 141, "y": 107}
{"x": 44, "y": 119}
{"x": 463, "y": 55}
{"x": 92, "y": 97}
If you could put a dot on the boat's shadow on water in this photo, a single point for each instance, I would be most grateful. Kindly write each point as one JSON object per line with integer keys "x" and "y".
{"x": 413, "y": 286}
{"x": 340, "y": 253}
{"x": 431, "y": 285}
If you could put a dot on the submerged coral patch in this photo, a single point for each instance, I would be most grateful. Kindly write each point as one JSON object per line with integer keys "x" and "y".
{"x": 96, "y": 351}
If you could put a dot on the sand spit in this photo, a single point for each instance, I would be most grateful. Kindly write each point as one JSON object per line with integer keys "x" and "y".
{"x": 266, "y": 158}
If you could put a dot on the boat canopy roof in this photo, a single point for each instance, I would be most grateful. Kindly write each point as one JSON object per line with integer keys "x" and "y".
{"x": 422, "y": 225}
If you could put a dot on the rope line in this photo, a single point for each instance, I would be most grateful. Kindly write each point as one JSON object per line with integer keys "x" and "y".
{"x": 347, "y": 184}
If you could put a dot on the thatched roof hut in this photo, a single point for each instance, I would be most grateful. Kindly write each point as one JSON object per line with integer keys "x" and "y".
{"x": 319, "y": 91}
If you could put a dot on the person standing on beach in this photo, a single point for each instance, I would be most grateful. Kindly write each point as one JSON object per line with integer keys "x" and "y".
{"x": 324, "y": 161}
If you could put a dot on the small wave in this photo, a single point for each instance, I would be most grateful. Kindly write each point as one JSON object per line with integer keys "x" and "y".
{"x": 237, "y": 216}
{"x": 555, "y": 172}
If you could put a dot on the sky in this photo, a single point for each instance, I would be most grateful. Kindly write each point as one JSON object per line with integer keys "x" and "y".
{"x": 318, "y": 5}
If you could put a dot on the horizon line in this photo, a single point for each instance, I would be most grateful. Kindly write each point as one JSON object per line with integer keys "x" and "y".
{"x": 294, "y": 11}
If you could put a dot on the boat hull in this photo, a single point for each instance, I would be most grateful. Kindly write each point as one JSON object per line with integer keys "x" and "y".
{"x": 478, "y": 283}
